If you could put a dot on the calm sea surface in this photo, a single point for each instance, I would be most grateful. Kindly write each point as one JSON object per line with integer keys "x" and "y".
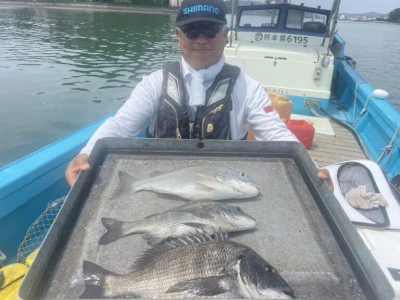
{"x": 63, "y": 69}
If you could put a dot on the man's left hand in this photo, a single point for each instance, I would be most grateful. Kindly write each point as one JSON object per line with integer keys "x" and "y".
{"x": 324, "y": 174}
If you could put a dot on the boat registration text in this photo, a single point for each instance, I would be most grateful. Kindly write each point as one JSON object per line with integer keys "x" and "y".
{"x": 281, "y": 38}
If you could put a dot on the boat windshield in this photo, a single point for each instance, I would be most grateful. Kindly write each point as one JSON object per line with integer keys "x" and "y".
{"x": 299, "y": 19}
{"x": 324, "y": 4}
{"x": 307, "y": 21}
{"x": 259, "y": 18}
{"x": 284, "y": 17}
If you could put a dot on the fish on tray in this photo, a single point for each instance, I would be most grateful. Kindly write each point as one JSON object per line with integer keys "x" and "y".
{"x": 195, "y": 183}
{"x": 197, "y": 265}
{"x": 207, "y": 216}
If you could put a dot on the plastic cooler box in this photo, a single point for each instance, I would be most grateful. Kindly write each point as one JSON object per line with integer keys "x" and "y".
{"x": 319, "y": 252}
{"x": 302, "y": 130}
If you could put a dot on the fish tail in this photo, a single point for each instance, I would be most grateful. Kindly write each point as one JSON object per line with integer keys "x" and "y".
{"x": 94, "y": 277}
{"x": 114, "y": 231}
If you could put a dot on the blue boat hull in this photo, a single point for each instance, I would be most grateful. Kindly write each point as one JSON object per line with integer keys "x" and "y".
{"x": 29, "y": 184}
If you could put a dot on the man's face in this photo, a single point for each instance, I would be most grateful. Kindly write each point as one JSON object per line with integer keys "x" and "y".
{"x": 202, "y": 43}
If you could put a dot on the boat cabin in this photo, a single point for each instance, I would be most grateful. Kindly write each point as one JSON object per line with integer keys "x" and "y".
{"x": 283, "y": 46}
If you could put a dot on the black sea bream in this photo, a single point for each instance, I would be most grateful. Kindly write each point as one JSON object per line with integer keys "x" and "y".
{"x": 193, "y": 266}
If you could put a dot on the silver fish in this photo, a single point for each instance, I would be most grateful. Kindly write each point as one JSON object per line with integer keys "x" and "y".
{"x": 191, "y": 266}
{"x": 207, "y": 216}
{"x": 196, "y": 183}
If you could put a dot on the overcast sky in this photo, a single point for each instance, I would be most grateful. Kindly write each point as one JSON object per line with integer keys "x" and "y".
{"x": 362, "y": 6}
{"x": 355, "y": 6}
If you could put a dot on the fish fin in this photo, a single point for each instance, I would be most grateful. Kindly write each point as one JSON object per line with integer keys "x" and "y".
{"x": 172, "y": 243}
{"x": 152, "y": 239}
{"x": 205, "y": 227}
{"x": 207, "y": 175}
{"x": 125, "y": 183}
{"x": 114, "y": 231}
{"x": 152, "y": 215}
{"x": 156, "y": 173}
{"x": 204, "y": 187}
{"x": 94, "y": 277}
{"x": 207, "y": 286}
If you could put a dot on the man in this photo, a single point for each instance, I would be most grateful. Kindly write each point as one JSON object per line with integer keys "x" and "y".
{"x": 198, "y": 97}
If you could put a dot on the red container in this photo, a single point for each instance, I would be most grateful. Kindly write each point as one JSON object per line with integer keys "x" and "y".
{"x": 302, "y": 130}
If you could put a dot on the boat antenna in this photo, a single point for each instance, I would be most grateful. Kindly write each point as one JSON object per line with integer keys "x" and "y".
{"x": 233, "y": 16}
{"x": 334, "y": 17}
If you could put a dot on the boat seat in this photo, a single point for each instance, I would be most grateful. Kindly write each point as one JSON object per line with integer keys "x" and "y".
{"x": 268, "y": 25}
{"x": 316, "y": 27}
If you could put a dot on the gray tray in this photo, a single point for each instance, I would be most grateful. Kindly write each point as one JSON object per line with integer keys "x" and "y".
{"x": 301, "y": 229}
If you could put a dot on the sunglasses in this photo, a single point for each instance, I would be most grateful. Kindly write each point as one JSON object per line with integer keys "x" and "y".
{"x": 194, "y": 30}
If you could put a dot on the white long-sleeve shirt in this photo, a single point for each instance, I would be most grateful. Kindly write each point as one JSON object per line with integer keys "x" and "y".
{"x": 250, "y": 105}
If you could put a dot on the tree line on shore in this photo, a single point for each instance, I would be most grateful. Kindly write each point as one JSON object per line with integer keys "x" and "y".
{"x": 163, "y": 3}
{"x": 394, "y": 16}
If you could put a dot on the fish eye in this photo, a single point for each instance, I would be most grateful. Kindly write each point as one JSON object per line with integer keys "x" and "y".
{"x": 242, "y": 174}
{"x": 270, "y": 269}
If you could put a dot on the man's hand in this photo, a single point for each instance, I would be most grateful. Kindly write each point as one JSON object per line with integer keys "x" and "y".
{"x": 324, "y": 174}
{"x": 77, "y": 164}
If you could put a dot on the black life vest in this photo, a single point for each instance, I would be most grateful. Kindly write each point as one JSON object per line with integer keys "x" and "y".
{"x": 212, "y": 120}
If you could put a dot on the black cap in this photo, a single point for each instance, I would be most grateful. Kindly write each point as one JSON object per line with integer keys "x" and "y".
{"x": 201, "y": 10}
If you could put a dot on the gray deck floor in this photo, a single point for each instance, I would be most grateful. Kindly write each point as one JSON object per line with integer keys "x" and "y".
{"x": 328, "y": 149}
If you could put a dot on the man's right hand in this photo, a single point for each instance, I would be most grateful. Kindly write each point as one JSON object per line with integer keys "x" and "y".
{"x": 77, "y": 164}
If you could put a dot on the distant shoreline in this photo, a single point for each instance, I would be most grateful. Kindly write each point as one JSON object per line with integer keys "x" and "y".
{"x": 92, "y": 6}
{"x": 372, "y": 21}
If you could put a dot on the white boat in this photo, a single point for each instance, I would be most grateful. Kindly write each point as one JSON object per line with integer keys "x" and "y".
{"x": 293, "y": 50}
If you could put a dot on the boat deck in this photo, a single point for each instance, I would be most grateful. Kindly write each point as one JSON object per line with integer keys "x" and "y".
{"x": 329, "y": 149}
